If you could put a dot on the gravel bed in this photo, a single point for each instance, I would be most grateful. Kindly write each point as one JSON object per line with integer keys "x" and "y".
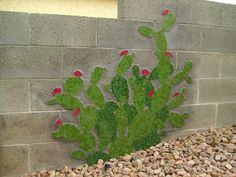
{"x": 208, "y": 154}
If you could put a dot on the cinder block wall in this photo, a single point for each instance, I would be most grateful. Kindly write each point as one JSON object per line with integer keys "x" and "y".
{"x": 37, "y": 52}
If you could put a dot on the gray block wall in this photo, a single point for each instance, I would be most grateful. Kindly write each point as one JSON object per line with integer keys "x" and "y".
{"x": 37, "y": 53}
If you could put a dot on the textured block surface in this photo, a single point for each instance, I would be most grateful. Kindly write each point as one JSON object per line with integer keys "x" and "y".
{"x": 200, "y": 12}
{"x": 226, "y": 115}
{"x": 205, "y": 65}
{"x": 14, "y": 28}
{"x": 230, "y": 16}
{"x": 14, "y": 96}
{"x": 14, "y": 160}
{"x": 201, "y": 116}
{"x": 218, "y": 40}
{"x": 27, "y": 128}
{"x": 122, "y": 34}
{"x": 52, "y": 156}
{"x": 63, "y": 30}
{"x": 41, "y": 92}
{"x": 217, "y": 90}
{"x": 228, "y": 66}
{"x": 144, "y": 10}
{"x": 30, "y": 62}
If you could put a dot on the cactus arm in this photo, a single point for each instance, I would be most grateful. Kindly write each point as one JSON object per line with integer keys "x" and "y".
{"x": 95, "y": 94}
{"x": 52, "y": 102}
{"x": 97, "y": 74}
{"x": 146, "y": 31}
{"x": 68, "y": 101}
{"x": 169, "y": 22}
{"x": 177, "y": 101}
{"x": 154, "y": 74}
{"x": 73, "y": 85}
{"x": 88, "y": 118}
{"x": 124, "y": 65}
{"x": 119, "y": 88}
{"x": 182, "y": 75}
{"x": 177, "y": 119}
{"x": 78, "y": 154}
{"x": 161, "y": 98}
{"x": 122, "y": 119}
{"x": 161, "y": 44}
{"x": 68, "y": 132}
{"x": 88, "y": 142}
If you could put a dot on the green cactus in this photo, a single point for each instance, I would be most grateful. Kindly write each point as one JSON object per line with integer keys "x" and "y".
{"x": 112, "y": 128}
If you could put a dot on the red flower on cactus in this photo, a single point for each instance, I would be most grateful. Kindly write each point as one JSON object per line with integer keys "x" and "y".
{"x": 169, "y": 54}
{"x": 58, "y": 122}
{"x": 124, "y": 52}
{"x": 76, "y": 112}
{"x": 77, "y": 73}
{"x": 145, "y": 72}
{"x": 165, "y": 12}
{"x": 151, "y": 93}
{"x": 56, "y": 91}
{"x": 176, "y": 94}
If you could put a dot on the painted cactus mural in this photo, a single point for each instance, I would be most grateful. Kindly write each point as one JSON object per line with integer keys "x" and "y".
{"x": 109, "y": 129}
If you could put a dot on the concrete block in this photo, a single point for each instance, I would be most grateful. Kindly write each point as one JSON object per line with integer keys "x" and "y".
{"x": 41, "y": 92}
{"x": 217, "y": 90}
{"x": 144, "y": 10}
{"x": 218, "y": 40}
{"x": 14, "y": 96}
{"x": 14, "y": 28}
{"x": 226, "y": 116}
{"x": 229, "y": 16}
{"x": 187, "y": 37}
{"x": 63, "y": 30}
{"x": 79, "y": 31}
{"x": 52, "y": 156}
{"x": 46, "y": 29}
{"x": 205, "y": 65}
{"x": 122, "y": 34}
{"x": 30, "y": 62}
{"x": 199, "y": 12}
{"x": 27, "y": 128}
{"x": 228, "y": 65}
{"x": 201, "y": 116}
{"x": 14, "y": 160}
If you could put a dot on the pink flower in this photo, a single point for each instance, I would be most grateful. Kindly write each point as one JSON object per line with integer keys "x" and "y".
{"x": 176, "y": 94}
{"x": 56, "y": 91}
{"x": 77, "y": 73}
{"x": 151, "y": 93}
{"x": 165, "y": 12}
{"x": 145, "y": 72}
{"x": 124, "y": 52}
{"x": 76, "y": 112}
{"x": 58, "y": 122}
{"x": 169, "y": 54}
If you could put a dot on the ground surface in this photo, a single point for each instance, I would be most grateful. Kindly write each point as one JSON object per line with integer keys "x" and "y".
{"x": 208, "y": 154}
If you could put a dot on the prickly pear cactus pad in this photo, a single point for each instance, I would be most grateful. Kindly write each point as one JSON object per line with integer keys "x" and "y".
{"x": 108, "y": 129}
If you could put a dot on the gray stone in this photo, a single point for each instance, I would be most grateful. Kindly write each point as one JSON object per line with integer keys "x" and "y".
{"x": 218, "y": 40}
{"x": 14, "y": 160}
{"x": 199, "y": 12}
{"x": 46, "y": 29}
{"x": 63, "y": 30}
{"x": 230, "y": 16}
{"x": 217, "y": 90}
{"x": 14, "y": 96}
{"x": 41, "y": 92}
{"x": 122, "y": 34}
{"x": 27, "y": 128}
{"x": 210, "y": 13}
{"x": 79, "y": 31}
{"x": 205, "y": 65}
{"x": 201, "y": 116}
{"x": 144, "y": 10}
{"x": 30, "y": 62}
{"x": 14, "y": 28}
{"x": 226, "y": 115}
{"x": 228, "y": 65}
{"x": 52, "y": 156}
{"x": 187, "y": 37}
